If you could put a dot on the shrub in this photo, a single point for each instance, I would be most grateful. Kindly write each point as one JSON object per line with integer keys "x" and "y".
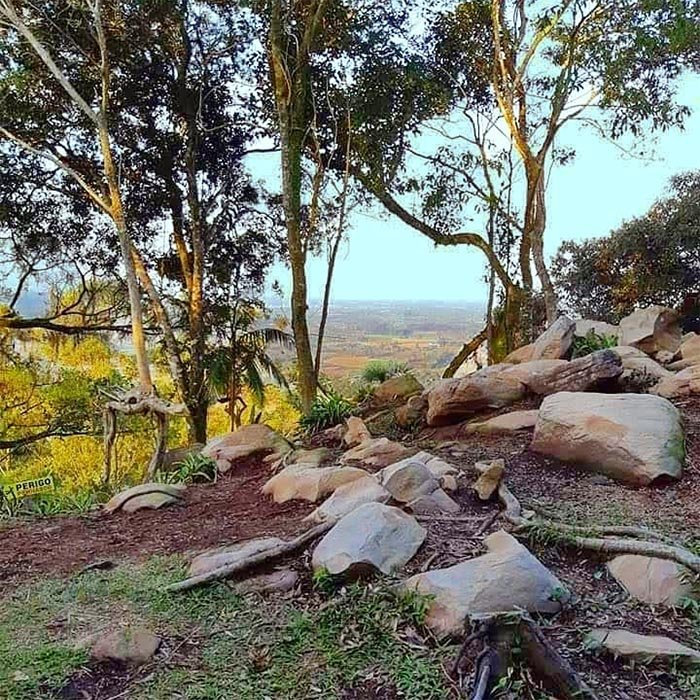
{"x": 381, "y": 370}
{"x": 326, "y": 412}
{"x": 591, "y": 342}
{"x": 193, "y": 469}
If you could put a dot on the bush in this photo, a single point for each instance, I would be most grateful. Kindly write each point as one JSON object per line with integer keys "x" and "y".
{"x": 326, "y": 412}
{"x": 591, "y": 342}
{"x": 381, "y": 370}
{"x": 194, "y": 469}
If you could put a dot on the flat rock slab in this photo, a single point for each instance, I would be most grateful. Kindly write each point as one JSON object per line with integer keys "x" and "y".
{"x": 374, "y": 537}
{"x": 224, "y": 556}
{"x": 151, "y": 495}
{"x": 347, "y": 497}
{"x": 131, "y": 645}
{"x": 651, "y": 580}
{"x": 281, "y": 581}
{"x": 376, "y": 453}
{"x": 309, "y": 483}
{"x": 641, "y": 648}
{"x": 635, "y": 438}
{"x": 507, "y": 423}
{"x": 506, "y": 579}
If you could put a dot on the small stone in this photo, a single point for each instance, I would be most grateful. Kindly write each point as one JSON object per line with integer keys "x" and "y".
{"x": 651, "y": 580}
{"x": 348, "y": 497}
{"x": 280, "y": 581}
{"x": 434, "y": 503}
{"x": 489, "y": 481}
{"x": 129, "y": 645}
{"x": 357, "y": 432}
{"x": 408, "y": 480}
{"x": 641, "y": 648}
{"x": 376, "y": 453}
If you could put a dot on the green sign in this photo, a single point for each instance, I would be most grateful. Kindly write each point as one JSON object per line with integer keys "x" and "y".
{"x": 31, "y": 487}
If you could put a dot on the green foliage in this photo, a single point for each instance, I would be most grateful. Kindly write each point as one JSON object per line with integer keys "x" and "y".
{"x": 381, "y": 370}
{"x": 193, "y": 469}
{"x": 324, "y": 581}
{"x": 592, "y": 342}
{"x": 649, "y": 260}
{"x": 327, "y": 411}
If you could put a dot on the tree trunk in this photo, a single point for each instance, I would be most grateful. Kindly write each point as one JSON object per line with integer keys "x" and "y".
{"x": 463, "y": 355}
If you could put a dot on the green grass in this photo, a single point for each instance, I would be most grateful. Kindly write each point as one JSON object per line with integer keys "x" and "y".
{"x": 230, "y": 646}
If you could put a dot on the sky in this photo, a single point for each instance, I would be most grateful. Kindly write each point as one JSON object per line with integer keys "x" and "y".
{"x": 601, "y": 188}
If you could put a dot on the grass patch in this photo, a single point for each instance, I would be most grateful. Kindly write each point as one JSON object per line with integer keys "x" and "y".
{"x": 226, "y": 646}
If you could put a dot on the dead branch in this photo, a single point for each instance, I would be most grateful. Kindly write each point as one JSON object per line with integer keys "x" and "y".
{"x": 265, "y": 557}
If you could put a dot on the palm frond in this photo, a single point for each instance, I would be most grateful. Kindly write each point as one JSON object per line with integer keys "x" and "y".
{"x": 255, "y": 382}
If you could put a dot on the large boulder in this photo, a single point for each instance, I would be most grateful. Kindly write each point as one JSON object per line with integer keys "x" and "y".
{"x": 556, "y": 341}
{"x": 349, "y": 496}
{"x": 506, "y": 423}
{"x": 453, "y": 400}
{"x": 227, "y": 449}
{"x": 309, "y": 483}
{"x": 581, "y": 374}
{"x": 585, "y": 326}
{"x": 636, "y": 438}
{"x": 651, "y": 580}
{"x": 507, "y": 578}
{"x": 641, "y": 648}
{"x": 376, "y": 453}
{"x": 396, "y": 390}
{"x": 225, "y": 556}
{"x": 373, "y": 537}
{"x": 690, "y": 347}
{"x": 652, "y": 329}
{"x": 146, "y": 496}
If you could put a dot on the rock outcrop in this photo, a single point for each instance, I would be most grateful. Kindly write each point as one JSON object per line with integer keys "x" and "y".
{"x": 635, "y": 438}
{"x": 308, "y": 482}
{"x": 227, "y": 449}
{"x": 652, "y": 329}
{"x": 555, "y": 342}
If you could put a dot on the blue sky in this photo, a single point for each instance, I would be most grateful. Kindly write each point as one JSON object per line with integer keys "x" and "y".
{"x": 384, "y": 259}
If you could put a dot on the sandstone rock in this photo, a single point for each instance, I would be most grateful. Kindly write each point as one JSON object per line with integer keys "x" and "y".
{"x": 556, "y": 341}
{"x": 585, "y": 326}
{"x": 641, "y": 648}
{"x": 309, "y": 483}
{"x": 333, "y": 435}
{"x": 280, "y": 581}
{"x": 643, "y": 366}
{"x": 523, "y": 354}
{"x": 412, "y": 412}
{"x": 357, "y": 432}
{"x": 376, "y": 453}
{"x": 652, "y": 329}
{"x": 348, "y": 497}
{"x": 690, "y": 347}
{"x": 408, "y": 479}
{"x": 223, "y": 556}
{"x": 491, "y": 474}
{"x": 453, "y": 400}
{"x": 580, "y": 374}
{"x": 506, "y": 423}
{"x": 396, "y": 390}
{"x": 315, "y": 457}
{"x": 635, "y": 438}
{"x": 438, "y": 467}
{"x": 680, "y": 365}
{"x": 227, "y": 449}
{"x": 149, "y": 501}
{"x": 651, "y": 580}
{"x": 150, "y": 493}
{"x": 449, "y": 482}
{"x": 505, "y": 579}
{"x": 433, "y": 503}
{"x": 664, "y": 357}
{"x": 626, "y": 352}
{"x": 372, "y": 537}
{"x": 132, "y": 645}
{"x": 682, "y": 384}
{"x": 529, "y": 372}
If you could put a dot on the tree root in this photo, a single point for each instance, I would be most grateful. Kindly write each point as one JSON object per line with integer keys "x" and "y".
{"x": 265, "y": 557}
{"x": 580, "y": 536}
{"x": 501, "y": 635}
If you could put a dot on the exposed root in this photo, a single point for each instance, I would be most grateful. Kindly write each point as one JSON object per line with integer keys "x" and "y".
{"x": 605, "y": 541}
{"x": 265, "y": 557}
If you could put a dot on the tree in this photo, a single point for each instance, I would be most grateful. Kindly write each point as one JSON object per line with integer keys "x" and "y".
{"x": 518, "y": 73}
{"x": 653, "y": 259}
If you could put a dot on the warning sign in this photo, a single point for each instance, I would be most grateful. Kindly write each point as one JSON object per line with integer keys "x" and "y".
{"x": 31, "y": 487}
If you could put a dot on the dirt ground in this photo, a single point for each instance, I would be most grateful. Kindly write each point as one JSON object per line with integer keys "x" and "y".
{"x": 233, "y": 509}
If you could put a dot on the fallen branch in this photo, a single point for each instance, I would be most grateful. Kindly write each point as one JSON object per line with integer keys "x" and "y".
{"x": 578, "y": 536}
{"x": 264, "y": 557}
